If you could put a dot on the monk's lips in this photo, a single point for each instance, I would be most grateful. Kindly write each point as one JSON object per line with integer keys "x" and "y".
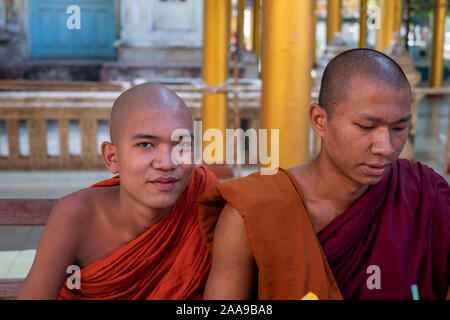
{"x": 376, "y": 170}
{"x": 164, "y": 185}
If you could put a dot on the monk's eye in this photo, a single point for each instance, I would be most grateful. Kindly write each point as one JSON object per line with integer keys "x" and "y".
{"x": 399, "y": 129}
{"x": 144, "y": 145}
{"x": 365, "y": 128}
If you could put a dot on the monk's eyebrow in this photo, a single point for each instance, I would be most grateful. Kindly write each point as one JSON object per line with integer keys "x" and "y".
{"x": 145, "y": 136}
{"x": 379, "y": 120}
{"x": 405, "y": 119}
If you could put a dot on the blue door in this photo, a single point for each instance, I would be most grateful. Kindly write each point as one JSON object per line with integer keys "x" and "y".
{"x": 51, "y": 36}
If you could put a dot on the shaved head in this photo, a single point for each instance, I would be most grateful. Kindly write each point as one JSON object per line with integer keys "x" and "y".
{"x": 367, "y": 63}
{"x": 144, "y": 96}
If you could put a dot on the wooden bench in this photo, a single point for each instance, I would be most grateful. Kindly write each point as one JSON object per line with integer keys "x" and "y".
{"x": 21, "y": 213}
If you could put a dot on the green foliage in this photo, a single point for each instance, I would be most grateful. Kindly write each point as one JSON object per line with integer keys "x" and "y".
{"x": 420, "y": 8}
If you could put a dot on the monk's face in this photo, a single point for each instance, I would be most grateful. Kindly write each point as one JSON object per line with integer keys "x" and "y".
{"x": 368, "y": 130}
{"x": 147, "y": 172}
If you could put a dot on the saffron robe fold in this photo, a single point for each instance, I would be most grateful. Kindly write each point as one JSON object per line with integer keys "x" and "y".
{"x": 288, "y": 255}
{"x": 167, "y": 262}
{"x": 400, "y": 225}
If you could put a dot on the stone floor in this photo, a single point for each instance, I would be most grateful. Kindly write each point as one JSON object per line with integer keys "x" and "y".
{"x": 18, "y": 244}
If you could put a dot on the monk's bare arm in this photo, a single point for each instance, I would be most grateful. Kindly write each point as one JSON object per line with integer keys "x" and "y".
{"x": 233, "y": 267}
{"x": 56, "y": 251}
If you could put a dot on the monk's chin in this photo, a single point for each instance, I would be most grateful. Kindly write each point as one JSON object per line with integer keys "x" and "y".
{"x": 162, "y": 201}
{"x": 365, "y": 180}
{"x": 374, "y": 181}
{"x": 371, "y": 180}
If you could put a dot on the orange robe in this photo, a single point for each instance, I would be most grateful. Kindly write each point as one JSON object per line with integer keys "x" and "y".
{"x": 285, "y": 247}
{"x": 167, "y": 262}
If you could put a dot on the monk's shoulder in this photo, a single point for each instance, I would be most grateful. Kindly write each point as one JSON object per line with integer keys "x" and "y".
{"x": 423, "y": 190}
{"x": 79, "y": 207}
{"x": 270, "y": 200}
{"x": 66, "y": 224}
{"x": 257, "y": 191}
{"x": 254, "y": 181}
{"x": 418, "y": 174}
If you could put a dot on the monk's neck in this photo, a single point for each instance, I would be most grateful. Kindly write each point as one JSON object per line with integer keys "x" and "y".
{"x": 134, "y": 217}
{"x": 329, "y": 183}
{"x": 327, "y": 193}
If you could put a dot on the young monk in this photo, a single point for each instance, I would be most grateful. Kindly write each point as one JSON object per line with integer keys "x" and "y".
{"x": 381, "y": 224}
{"x": 137, "y": 236}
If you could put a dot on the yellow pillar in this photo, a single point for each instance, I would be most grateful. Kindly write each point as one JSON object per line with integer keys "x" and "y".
{"x": 257, "y": 27}
{"x": 333, "y": 19}
{"x": 363, "y": 24}
{"x": 437, "y": 61}
{"x": 286, "y": 80}
{"x": 233, "y": 24}
{"x": 384, "y": 34}
{"x": 398, "y": 15}
{"x": 313, "y": 32}
{"x": 215, "y": 62}
{"x": 241, "y": 10}
{"x": 250, "y": 44}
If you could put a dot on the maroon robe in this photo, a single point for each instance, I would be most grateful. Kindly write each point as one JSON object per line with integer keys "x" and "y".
{"x": 401, "y": 225}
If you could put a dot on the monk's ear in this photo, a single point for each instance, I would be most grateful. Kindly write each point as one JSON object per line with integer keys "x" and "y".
{"x": 109, "y": 154}
{"x": 318, "y": 118}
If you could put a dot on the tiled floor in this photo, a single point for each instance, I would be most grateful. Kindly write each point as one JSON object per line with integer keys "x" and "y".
{"x": 17, "y": 249}
{"x": 18, "y": 244}
{"x": 20, "y": 237}
{"x": 16, "y": 264}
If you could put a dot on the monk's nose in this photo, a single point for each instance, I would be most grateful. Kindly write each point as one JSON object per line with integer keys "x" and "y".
{"x": 382, "y": 144}
{"x": 163, "y": 159}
